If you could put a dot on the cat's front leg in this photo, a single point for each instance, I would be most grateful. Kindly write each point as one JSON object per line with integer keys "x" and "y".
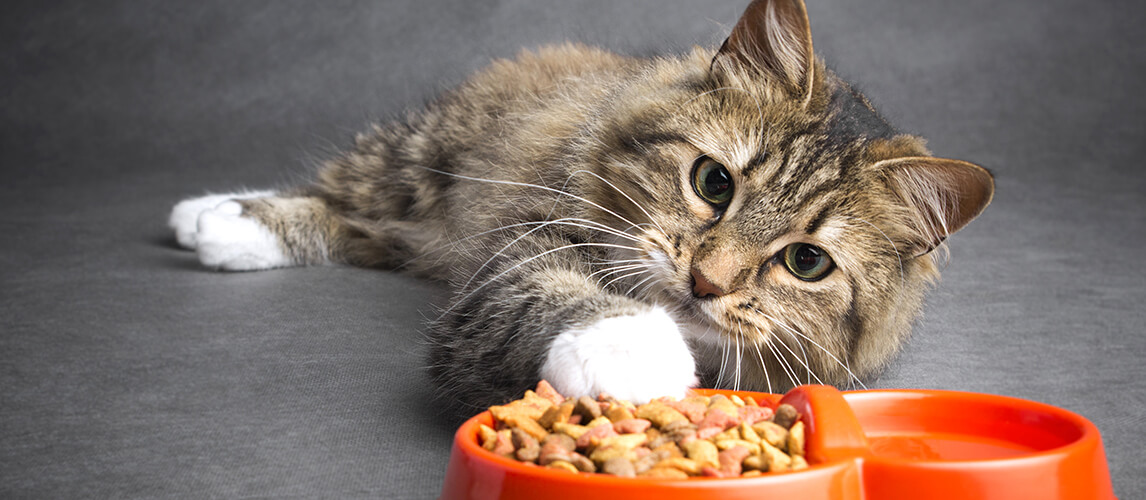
{"x": 540, "y": 319}
{"x": 635, "y": 357}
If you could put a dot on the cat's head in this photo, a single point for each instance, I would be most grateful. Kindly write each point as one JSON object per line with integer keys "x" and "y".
{"x": 782, "y": 217}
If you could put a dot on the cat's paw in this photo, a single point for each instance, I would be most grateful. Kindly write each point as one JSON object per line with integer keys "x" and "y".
{"x": 184, "y": 218}
{"x": 226, "y": 240}
{"x": 636, "y": 357}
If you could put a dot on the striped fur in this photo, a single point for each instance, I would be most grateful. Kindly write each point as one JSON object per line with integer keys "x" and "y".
{"x": 553, "y": 191}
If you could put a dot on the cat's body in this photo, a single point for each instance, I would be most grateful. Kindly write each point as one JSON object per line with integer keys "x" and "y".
{"x": 739, "y": 217}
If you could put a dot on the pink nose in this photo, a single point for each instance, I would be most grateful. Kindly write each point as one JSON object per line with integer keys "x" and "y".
{"x": 702, "y": 287}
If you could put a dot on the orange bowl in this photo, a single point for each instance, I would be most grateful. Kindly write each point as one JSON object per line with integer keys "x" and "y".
{"x": 880, "y": 444}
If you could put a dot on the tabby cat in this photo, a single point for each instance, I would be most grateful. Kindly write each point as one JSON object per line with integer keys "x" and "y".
{"x": 737, "y": 217}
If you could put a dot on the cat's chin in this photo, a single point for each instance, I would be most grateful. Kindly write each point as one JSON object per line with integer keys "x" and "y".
{"x": 635, "y": 357}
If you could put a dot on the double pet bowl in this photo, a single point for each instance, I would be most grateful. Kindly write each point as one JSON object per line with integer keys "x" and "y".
{"x": 862, "y": 445}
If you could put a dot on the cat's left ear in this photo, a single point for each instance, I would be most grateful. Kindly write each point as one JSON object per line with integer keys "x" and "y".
{"x": 773, "y": 39}
{"x": 944, "y": 194}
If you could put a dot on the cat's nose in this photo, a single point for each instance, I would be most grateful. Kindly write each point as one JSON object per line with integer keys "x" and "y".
{"x": 702, "y": 287}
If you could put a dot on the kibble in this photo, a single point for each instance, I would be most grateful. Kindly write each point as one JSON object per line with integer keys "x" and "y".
{"x": 715, "y": 436}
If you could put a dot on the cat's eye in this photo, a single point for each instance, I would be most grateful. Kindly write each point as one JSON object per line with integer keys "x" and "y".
{"x": 807, "y": 262}
{"x": 712, "y": 181}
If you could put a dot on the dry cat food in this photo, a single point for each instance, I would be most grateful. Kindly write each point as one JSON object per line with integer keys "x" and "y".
{"x": 713, "y": 436}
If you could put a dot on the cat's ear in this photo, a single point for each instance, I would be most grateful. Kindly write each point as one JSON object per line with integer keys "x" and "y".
{"x": 774, "y": 40}
{"x": 943, "y": 194}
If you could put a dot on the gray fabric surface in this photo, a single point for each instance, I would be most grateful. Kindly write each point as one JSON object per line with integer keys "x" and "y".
{"x": 127, "y": 371}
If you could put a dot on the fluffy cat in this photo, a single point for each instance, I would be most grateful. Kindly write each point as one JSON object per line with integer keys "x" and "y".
{"x": 735, "y": 217}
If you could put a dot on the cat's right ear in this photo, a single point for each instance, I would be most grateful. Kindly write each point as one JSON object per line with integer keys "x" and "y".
{"x": 774, "y": 40}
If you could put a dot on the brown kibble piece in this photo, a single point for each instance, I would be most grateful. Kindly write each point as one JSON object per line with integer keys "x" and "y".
{"x": 503, "y": 443}
{"x": 798, "y": 462}
{"x": 554, "y": 414}
{"x": 731, "y": 433}
{"x": 752, "y": 448}
{"x": 562, "y": 465}
{"x": 680, "y": 432}
{"x": 730, "y": 460}
{"x": 548, "y": 392}
{"x": 777, "y": 460}
{"x": 692, "y": 407}
{"x": 785, "y": 416}
{"x": 749, "y": 434}
{"x": 562, "y": 441}
{"x": 686, "y": 465}
{"x": 572, "y": 430}
{"x": 665, "y": 473}
{"x": 644, "y": 463}
{"x": 617, "y": 445}
{"x": 587, "y": 408}
{"x": 702, "y": 451}
{"x": 487, "y": 436}
{"x": 594, "y": 436}
{"x": 619, "y": 466}
{"x": 772, "y": 433}
{"x": 756, "y": 462}
{"x": 796, "y": 439}
{"x": 599, "y": 421}
{"x": 531, "y": 406}
{"x": 670, "y": 449}
{"x": 528, "y": 425}
{"x": 659, "y": 414}
{"x": 753, "y": 414}
{"x": 617, "y": 413}
{"x": 582, "y": 463}
{"x": 631, "y": 425}
{"x": 722, "y": 403}
{"x": 526, "y": 445}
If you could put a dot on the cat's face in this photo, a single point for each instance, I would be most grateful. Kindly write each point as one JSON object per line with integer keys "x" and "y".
{"x": 777, "y": 215}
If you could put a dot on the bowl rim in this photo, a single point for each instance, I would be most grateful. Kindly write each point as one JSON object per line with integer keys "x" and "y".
{"x": 466, "y": 437}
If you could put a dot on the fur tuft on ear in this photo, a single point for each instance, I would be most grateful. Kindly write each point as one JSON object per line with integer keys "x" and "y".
{"x": 944, "y": 195}
{"x": 773, "y": 39}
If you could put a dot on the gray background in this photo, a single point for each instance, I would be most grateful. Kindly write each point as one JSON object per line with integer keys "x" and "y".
{"x": 128, "y": 371}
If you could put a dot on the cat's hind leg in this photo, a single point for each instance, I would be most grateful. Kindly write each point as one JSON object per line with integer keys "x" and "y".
{"x": 263, "y": 230}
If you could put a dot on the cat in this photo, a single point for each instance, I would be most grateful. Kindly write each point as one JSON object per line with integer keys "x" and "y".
{"x": 735, "y": 216}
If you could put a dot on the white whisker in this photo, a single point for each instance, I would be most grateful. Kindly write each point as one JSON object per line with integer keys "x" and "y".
{"x": 763, "y": 365}
{"x": 797, "y": 358}
{"x": 639, "y": 283}
{"x": 526, "y": 261}
{"x": 609, "y": 271}
{"x": 619, "y": 278}
{"x": 536, "y": 186}
{"x": 783, "y": 364}
{"x": 817, "y": 344}
{"x": 622, "y": 193}
{"x": 522, "y": 236}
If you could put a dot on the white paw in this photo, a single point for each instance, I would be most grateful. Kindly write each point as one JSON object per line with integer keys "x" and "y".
{"x": 184, "y": 219}
{"x": 227, "y": 240}
{"x": 638, "y": 358}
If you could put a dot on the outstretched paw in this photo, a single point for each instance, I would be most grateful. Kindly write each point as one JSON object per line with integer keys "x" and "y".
{"x": 226, "y": 240}
{"x": 184, "y": 219}
{"x": 636, "y": 357}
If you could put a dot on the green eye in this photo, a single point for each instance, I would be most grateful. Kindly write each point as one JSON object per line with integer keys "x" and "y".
{"x": 712, "y": 182}
{"x": 807, "y": 262}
